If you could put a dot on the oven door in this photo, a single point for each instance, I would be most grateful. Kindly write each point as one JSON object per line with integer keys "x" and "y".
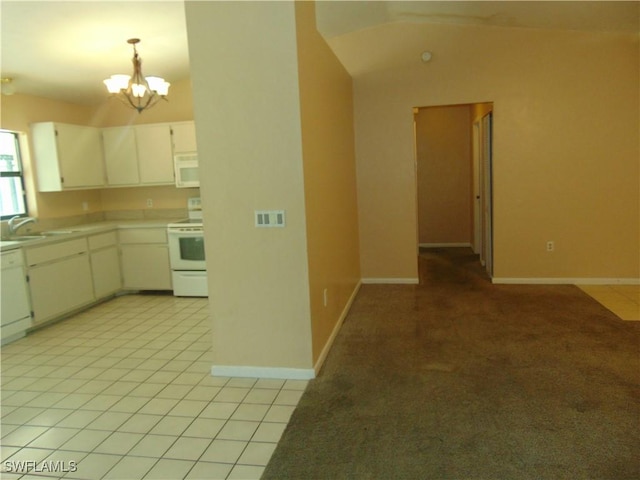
{"x": 186, "y": 250}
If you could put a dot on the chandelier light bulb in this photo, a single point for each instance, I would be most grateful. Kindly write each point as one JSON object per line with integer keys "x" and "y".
{"x": 158, "y": 85}
{"x": 117, "y": 82}
{"x": 138, "y": 90}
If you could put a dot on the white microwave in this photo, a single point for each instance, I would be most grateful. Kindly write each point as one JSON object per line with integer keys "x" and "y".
{"x": 186, "y": 168}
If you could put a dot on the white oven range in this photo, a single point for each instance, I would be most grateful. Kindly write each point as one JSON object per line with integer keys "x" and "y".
{"x": 186, "y": 255}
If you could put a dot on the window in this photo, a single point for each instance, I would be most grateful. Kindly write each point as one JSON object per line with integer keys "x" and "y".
{"x": 12, "y": 197}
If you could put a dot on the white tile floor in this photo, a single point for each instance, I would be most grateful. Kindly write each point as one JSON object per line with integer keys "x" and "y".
{"x": 123, "y": 391}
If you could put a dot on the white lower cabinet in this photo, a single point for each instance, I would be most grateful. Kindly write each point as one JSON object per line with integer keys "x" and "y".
{"x": 145, "y": 259}
{"x": 68, "y": 275}
{"x": 60, "y": 278}
{"x": 105, "y": 264}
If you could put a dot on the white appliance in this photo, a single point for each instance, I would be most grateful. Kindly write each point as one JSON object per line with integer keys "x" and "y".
{"x": 186, "y": 169}
{"x": 15, "y": 316}
{"x": 186, "y": 254}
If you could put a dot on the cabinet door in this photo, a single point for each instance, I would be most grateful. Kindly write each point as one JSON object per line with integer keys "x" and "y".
{"x": 105, "y": 268}
{"x": 80, "y": 156}
{"x": 45, "y": 157}
{"x": 60, "y": 287}
{"x": 184, "y": 137}
{"x": 120, "y": 156}
{"x": 15, "y": 299}
{"x": 155, "y": 158}
{"x": 146, "y": 267}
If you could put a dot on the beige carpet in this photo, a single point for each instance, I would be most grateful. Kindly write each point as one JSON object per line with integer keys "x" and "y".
{"x": 457, "y": 378}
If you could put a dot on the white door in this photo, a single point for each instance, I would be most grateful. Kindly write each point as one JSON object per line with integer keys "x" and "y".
{"x": 486, "y": 197}
{"x": 477, "y": 207}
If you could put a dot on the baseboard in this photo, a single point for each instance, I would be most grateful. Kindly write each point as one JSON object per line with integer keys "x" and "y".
{"x": 288, "y": 373}
{"x": 444, "y": 245}
{"x": 566, "y": 281}
{"x": 336, "y": 329}
{"x": 262, "y": 372}
{"x": 391, "y": 281}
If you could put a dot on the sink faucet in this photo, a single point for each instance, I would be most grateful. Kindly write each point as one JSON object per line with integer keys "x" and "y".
{"x": 13, "y": 226}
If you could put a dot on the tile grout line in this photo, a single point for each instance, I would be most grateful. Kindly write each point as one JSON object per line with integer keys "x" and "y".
{"x": 112, "y": 346}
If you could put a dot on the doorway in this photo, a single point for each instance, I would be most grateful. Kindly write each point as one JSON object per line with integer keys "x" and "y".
{"x": 453, "y": 148}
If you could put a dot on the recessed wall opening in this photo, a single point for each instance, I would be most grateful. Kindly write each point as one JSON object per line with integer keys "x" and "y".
{"x": 453, "y": 148}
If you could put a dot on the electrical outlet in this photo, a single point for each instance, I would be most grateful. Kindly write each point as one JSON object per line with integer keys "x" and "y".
{"x": 551, "y": 246}
{"x": 149, "y": 202}
{"x": 325, "y": 297}
{"x": 85, "y": 206}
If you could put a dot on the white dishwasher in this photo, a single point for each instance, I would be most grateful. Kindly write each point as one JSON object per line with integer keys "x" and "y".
{"x": 15, "y": 309}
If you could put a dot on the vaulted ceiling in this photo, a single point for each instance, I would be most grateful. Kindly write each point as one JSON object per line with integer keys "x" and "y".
{"x": 63, "y": 50}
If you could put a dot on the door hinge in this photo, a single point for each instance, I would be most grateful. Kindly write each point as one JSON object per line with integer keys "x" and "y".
{"x": 28, "y": 279}
{"x": 61, "y": 179}
{"x": 33, "y": 315}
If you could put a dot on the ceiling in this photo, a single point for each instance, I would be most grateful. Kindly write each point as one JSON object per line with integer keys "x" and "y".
{"x": 338, "y": 17}
{"x": 63, "y": 50}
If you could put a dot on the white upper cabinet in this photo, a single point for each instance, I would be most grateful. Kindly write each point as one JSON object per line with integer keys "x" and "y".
{"x": 138, "y": 155}
{"x": 184, "y": 137}
{"x": 79, "y": 157}
{"x": 155, "y": 158}
{"x": 120, "y": 156}
{"x": 67, "y": 156}
{"x": 185, "y": 154}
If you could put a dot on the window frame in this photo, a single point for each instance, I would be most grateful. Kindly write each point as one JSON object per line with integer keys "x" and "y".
{"x": 16, "y": 174}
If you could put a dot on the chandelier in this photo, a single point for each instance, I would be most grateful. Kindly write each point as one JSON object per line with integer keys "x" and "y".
{"x": 137, "y": 91}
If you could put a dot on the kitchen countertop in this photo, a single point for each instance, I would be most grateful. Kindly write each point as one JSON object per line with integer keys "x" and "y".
{"x": 65, "y": 233}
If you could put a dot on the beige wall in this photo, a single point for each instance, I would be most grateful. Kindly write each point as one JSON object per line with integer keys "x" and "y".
{"x": 566, "y": 145}
{"x": 166, "y": 197}
{"x": 326, "y": 102}
{"x": 247, "y": 110}
{"x": 19, "y": 111}
{"x": 443, "y": 152}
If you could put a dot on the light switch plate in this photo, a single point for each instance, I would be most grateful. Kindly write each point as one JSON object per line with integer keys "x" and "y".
{"x": 269, "y": 218}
